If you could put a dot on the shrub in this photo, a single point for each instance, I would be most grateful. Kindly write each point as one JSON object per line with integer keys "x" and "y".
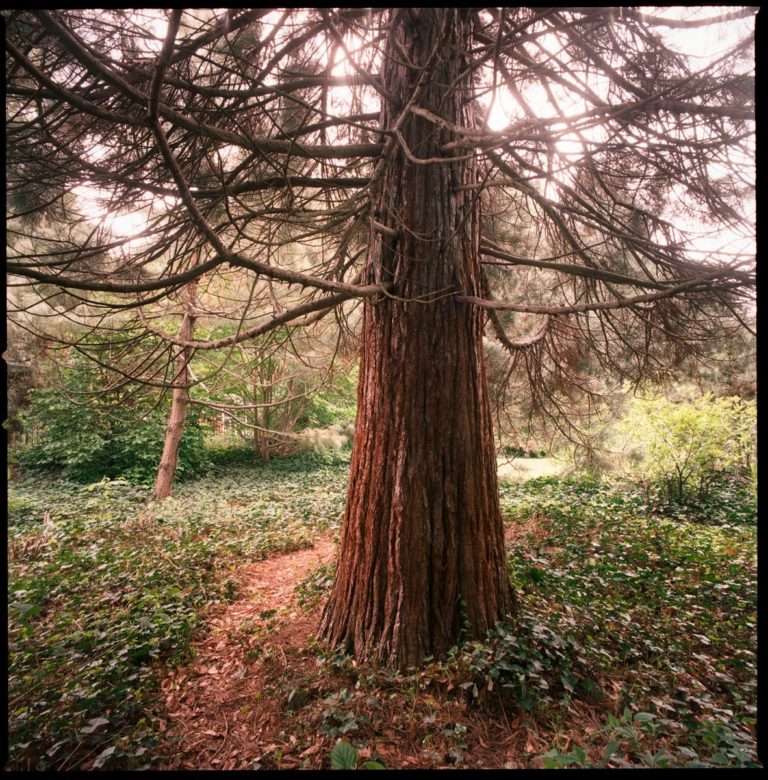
{"x": 323, "y": 440}
{"x": 686, "y": 449}
{"x": 88, "y": 442}
{"x": 512, "y": 451}
{"x": 334, "y": 404}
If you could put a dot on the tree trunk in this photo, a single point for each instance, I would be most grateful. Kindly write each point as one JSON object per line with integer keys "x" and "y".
{"x": 179, "y": 400}
{"x": 422, "y": 549}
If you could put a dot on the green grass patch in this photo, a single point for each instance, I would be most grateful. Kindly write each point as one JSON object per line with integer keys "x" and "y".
{"x": 112, "y": 582}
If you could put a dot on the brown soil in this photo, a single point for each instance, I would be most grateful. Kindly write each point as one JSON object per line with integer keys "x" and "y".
{"x": 217, "y": 716}
{"x": 532, "y": 527}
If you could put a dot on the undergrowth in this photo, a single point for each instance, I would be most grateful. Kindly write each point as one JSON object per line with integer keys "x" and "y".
{"x": 645, "y": 622}
{"x": 658, "y": 612}
{"x": 105, "y": 582}
{"x": 640, "y": 620}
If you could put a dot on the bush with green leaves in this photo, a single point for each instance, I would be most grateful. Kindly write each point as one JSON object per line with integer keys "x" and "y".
{"x": 684, "y": 451}
{"x": 334, "y": 404}
{"x": 87, "y": 442}
{"x": 513, "y": 451}
{"x": 87, "y": 426}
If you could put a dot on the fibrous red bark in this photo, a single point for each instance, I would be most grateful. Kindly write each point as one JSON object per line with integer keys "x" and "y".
{"x": 422, "y": 551}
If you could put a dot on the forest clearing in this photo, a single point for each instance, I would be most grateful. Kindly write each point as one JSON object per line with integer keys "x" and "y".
{"x": 381, "y": 388}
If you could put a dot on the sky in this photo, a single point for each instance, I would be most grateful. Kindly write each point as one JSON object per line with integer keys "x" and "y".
{"x": 703, "y": 45}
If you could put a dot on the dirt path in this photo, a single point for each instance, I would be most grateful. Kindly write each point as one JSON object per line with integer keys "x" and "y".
{"x": 217, "y": 715}
{"x": 258, "y": 696}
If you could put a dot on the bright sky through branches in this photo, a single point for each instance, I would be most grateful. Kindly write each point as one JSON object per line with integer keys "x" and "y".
{"x": 702, "y": 45}
{"x": 613, "y": 200}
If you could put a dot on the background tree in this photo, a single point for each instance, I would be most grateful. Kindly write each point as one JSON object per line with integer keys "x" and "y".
{"x": 180, "y": 398}
{"x": 312, "y": 159}
{"x": 83, "y": 423}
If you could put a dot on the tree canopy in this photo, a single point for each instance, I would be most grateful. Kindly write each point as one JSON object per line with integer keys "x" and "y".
{"x": 244, "y": 150}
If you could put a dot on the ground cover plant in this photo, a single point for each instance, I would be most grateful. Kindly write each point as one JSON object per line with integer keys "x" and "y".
{"x": 104, "y": 582}
{"x": 658, "y": 611}
{"x": 634, "y": 642}
{"x": 634, "y": 646}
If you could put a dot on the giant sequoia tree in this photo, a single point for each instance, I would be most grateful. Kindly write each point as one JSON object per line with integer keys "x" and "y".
{"x": 313, "y": 161}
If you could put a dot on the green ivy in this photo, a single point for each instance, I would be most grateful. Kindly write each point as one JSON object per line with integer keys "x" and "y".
{"x": 530, "y": 660}
{"x": 106, "y": 585}
{"x": 610, "y": 590}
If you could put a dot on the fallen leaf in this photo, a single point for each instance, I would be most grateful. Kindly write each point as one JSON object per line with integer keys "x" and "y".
{"x": 98, "y": 762}
{"x": 93, "y": 724}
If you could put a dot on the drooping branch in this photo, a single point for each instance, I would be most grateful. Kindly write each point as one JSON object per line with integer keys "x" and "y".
{"x": 252, "y": 139}
{"x": 704, "y": 283}
{"x": 319, "y": 304}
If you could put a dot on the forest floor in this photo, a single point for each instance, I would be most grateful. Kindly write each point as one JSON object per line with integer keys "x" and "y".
{"x": 257, "y": 694}
{"x": 529, "y": 468}
{"x": 261, "y": 692}
{"x": 218, "y": 711}
{"x": 180, "y": 635}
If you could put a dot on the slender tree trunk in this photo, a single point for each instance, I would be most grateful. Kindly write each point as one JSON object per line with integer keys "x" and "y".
{"x": 422, "y": 549}
{"x": 179, "y": 400}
